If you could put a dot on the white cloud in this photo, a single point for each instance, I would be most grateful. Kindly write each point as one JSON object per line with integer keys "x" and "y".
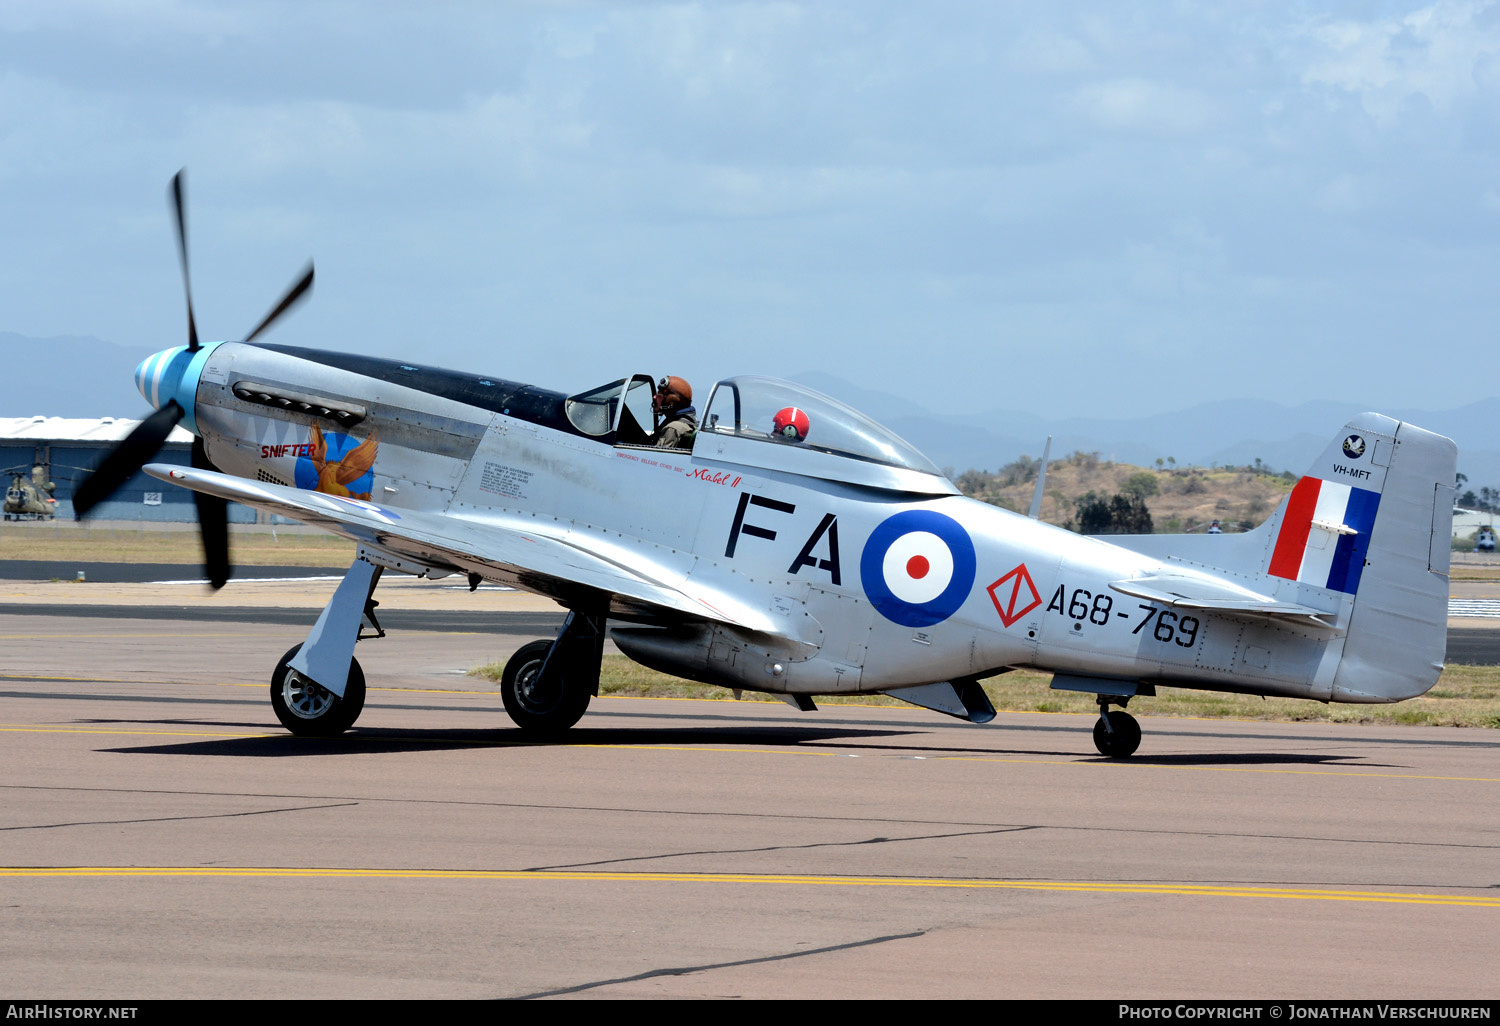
{"x": 1141, "y": 105}
{"x": 1436, "y": 53}
{"x": 597, "y": 180}
{"x": 1047, "y": 50}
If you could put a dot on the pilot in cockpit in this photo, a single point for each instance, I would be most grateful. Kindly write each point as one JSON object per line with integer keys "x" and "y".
{"x": 673, "y": 401}
{"x": 790, "y": 425}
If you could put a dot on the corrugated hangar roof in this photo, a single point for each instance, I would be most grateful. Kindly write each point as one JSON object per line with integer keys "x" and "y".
{"x": 76, "y": 429}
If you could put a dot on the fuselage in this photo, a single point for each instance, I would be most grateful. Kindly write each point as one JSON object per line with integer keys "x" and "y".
{"x": 875, "y": 584}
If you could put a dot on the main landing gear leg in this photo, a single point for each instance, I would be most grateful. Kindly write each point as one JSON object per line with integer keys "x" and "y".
{"x": 547, "y": 685}
{"x": 318, "y": 688}
{"x": 1117, "y": 734}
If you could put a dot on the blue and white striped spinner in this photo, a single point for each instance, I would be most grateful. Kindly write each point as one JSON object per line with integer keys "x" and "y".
{"x": 173, "y": 374}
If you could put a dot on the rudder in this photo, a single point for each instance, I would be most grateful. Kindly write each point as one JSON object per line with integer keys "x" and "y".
{"x": 1372, "y": 519}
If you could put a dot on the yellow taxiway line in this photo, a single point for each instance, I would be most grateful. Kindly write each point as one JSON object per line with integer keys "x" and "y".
{"x": 1067, "y": 886}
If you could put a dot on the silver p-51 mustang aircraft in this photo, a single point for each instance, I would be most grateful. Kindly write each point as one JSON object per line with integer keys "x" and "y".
{"x": 797, "y": 548}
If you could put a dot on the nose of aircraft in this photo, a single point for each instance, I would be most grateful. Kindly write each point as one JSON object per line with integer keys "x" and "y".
{"x": 173, "y": 374}
{"x": 158, "y": 375}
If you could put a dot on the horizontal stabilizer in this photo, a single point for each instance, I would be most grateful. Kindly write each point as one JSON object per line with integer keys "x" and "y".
{"x": 1215, "y": 596}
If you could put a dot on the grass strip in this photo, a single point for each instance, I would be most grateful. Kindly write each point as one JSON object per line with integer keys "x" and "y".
{"x": 287, "y": 547}
{"x": 1465, "y": 696}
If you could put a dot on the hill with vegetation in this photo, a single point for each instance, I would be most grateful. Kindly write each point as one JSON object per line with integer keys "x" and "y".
{"x": 1178, "y": 499}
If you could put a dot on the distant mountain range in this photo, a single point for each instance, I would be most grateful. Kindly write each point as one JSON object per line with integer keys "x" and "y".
{"x": 69, "y": 376}
{"x": 1237, "y": 431}
{"x": 82, "y": 376}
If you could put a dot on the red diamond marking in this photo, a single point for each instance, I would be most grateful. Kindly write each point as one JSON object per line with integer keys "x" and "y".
{"x": 1008, "y": 600}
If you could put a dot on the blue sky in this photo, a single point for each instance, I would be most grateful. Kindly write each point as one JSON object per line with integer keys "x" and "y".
{"x": 1065, "y": 208}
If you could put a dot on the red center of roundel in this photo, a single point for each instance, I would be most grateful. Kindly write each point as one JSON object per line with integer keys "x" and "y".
{"x": 917, "y": 567}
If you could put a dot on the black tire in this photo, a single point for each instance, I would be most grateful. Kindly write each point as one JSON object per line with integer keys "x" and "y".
{"x": 536, "y": 711}
{"x": 1122, "y": 741}
{"x": 308, "y": 709}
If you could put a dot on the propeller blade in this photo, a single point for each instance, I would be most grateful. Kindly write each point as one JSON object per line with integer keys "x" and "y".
{"x": 213, "y": 523}
{"x": 287, "y": 301}
{"x": 126, "y": 458}
{"x": 187, "y": 285}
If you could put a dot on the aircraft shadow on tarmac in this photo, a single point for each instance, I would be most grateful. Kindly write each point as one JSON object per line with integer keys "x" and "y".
{"x": 1254, "y": 759}
{"x": 364, "y": 742}
{"x": 852, "y": 740}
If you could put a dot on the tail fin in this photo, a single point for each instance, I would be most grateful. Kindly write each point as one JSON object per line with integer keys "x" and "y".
{"x": 1372, "y": 519}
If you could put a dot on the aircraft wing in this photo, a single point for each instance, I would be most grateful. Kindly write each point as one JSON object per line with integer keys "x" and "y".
{"x": 551, "y": 561}
{"x": 1216, "y": 597}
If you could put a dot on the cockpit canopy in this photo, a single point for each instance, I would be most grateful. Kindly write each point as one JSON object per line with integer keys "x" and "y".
{"x": 748, "y": 407}
{"x": 770, "y": 424}
{"x": 826, "y": 438}
{"x": 618, "y": 412}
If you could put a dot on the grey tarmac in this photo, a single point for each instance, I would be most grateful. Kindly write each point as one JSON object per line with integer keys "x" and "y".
{"x": 161, "y": 836}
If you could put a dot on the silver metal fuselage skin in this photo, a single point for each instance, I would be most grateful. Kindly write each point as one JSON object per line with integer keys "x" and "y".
{"x": 796, "y": 545}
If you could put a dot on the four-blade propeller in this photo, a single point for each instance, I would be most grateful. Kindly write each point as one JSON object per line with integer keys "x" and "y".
{"x": 143, "y": 443}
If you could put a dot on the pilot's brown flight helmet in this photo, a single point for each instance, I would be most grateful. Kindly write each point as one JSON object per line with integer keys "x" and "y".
{"x": 672, "y": 393}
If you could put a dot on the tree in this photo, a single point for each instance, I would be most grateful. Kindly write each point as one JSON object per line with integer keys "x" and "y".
{"x": 1092, "y": 514}
{"x": 1129, "y": 515}
{"x": 1118, "y": 514}
{"x": 1024, "y": 469}
{"x": 1140, "y": 485}
{"x": 972, "y": 482}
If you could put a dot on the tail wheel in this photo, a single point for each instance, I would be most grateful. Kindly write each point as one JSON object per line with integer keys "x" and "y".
{"x": 538, "y": 705}
{"x": 1117, "y": 734}
{"x": 307, "y": 708}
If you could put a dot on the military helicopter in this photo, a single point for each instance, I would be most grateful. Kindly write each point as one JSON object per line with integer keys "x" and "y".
{"x": 29, "y": 497}
{"x": 828, "y": 558}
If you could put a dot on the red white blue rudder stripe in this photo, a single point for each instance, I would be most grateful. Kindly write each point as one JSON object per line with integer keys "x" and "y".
{"x": 1325, "y": 534}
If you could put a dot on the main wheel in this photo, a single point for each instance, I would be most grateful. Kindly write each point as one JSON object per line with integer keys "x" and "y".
{"x": 539, "y": 709}
{"x": 1120, "y": 742}
{"x": 307, "y": 708}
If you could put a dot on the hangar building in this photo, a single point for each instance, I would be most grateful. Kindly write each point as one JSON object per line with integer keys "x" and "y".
{"x": 69, "y": 448}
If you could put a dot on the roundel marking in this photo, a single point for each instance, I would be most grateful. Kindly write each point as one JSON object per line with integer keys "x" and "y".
{"x": 917, "y": 567}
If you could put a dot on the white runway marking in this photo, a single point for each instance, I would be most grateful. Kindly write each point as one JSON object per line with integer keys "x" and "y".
{"x": 1489, "y": 608}
{"x": 257, "y": 580}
